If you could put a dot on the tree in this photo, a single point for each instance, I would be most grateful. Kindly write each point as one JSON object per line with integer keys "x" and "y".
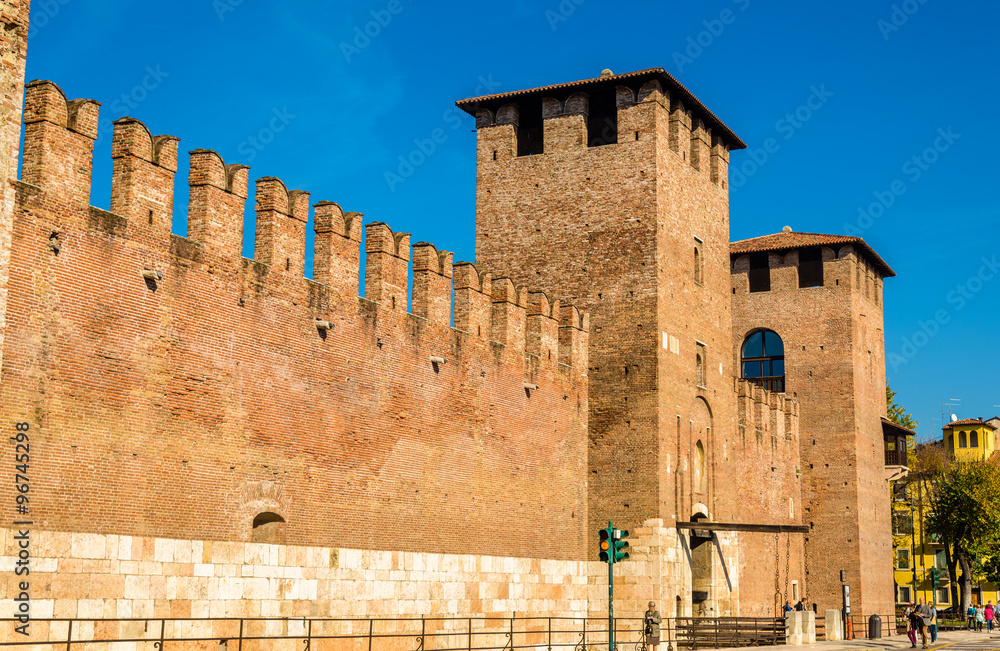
{"x": 966, "y": 517}
{"x": 896, "y": 413}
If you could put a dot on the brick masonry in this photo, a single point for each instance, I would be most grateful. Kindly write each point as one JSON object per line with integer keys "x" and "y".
{"x": 185, "y": 398}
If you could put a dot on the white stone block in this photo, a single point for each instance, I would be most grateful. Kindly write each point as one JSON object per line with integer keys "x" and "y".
{"x": 204, "y": 569}
{"x": 87, "y": 545}
{"x": 834, "y": 624}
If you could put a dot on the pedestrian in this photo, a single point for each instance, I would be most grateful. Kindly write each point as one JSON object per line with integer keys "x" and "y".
{"x": 971, "y": 614}
{"x": 910, "y": 614}
{"x": 989, "y": 613}
{"x": 980, "y": 618}
{"x": 800, "y": 606}
{"x": 652, "y": 629}
{"x": 933, "y": 626}
{"x": 787, "y": 608}
{"x": 923, "y": 620}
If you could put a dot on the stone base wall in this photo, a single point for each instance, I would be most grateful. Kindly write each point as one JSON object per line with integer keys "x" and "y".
{"x": 78, "y": 575}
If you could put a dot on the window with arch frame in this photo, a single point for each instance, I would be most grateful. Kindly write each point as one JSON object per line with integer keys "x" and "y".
{"x": 762, "y": 360}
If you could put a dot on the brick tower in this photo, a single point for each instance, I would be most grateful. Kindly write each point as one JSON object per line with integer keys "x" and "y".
{"x": 614, "y": 191}
{"x": 14, "y": 45}
{"x": 822, "y": 295}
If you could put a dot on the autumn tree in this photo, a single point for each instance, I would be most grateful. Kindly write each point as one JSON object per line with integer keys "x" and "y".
{"x": 965, "y": 515}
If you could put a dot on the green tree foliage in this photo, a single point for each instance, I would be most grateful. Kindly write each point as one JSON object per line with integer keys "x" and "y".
{"x": 897, "y": 414}
{"x": 965, "y": 514}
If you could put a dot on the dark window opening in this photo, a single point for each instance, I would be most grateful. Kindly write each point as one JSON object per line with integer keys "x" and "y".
{"x": 602, "y": 123}
{"x": 530, "y": 130}
{"x": 811, "y": 268}
{"x": 760, "y": 273}
{"x": 268, "y": 527}
{"x": 763, "y": 360}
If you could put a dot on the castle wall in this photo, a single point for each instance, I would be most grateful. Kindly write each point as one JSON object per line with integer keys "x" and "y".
{"x": 13, "y": 52}
{"x": 174, "y": 389}
{"x": 827, "y": 332}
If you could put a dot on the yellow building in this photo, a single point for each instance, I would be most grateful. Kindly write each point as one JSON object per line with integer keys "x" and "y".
{"x": 972, "y": 439}
{"x": 917, "y": 553}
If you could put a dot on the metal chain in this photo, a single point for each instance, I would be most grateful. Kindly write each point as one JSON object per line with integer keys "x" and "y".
{"x": 788, "y": 554}
{"x": 779, "y": 603}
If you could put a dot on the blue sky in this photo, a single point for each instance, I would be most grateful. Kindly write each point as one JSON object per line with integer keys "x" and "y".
{"x": 298, "y": 90}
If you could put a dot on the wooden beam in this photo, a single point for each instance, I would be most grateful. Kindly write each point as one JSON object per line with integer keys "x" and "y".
{"x": 737, "y": 526}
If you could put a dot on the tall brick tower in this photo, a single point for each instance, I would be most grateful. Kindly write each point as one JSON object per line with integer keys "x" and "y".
{"x": 614, "y": 191}
{"x": 822, "y": 295}
{"x": 14, "y": 49}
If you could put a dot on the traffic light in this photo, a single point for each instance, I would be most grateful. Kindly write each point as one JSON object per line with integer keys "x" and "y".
{"x": 605, "y": 545}
{"x": 935, "y": 576}
{"x": 620, "y": 545}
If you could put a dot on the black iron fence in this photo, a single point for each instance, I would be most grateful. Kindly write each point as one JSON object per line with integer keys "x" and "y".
{"x": 395, "y": 634}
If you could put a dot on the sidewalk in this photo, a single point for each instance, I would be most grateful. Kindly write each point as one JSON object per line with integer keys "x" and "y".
{"x": 982, "y": 642}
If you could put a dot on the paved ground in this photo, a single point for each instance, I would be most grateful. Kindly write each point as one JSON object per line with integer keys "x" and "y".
{"x": 950, "y": 640}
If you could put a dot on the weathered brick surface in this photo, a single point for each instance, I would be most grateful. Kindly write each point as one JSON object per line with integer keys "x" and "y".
{"x": 186, "y": 404}
{"x": 835, "y": 367}
{"x": 616, "y": 227}
{"x": 13, "y": 52}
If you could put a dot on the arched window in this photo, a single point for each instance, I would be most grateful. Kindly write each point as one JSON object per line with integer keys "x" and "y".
{"x": 700, "y": 369}
{"x": 973, "y": 439}
{"x": 962, "y": 440}
{"x": 268, "y": 527}
{"x": 763, "y": 360}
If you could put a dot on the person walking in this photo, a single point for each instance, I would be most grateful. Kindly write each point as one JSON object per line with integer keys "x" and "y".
{"x": 652, "y": 626}
{"x": 989, "y": 614}
{"x": 910, "y": 614}
{"x": 971, "y": 614}
{"x": 933, "y": 625}
{"x": 923, "y": 620}
{"x": 980, "y": 618}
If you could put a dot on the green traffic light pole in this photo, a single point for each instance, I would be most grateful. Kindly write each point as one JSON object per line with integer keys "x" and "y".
{"x": 611, "y": 587}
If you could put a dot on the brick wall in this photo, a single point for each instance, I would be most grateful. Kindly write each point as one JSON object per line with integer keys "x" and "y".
{"x": 828, "y": 332}
{"x": 13, "y": 50}
{"x": 186, "y": 403}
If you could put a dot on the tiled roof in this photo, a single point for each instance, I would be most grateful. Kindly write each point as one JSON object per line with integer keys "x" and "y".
{"x": 888, "y": 423}
{"x": 669, "y": 82}
{"x": 968, "y": 422}
{"x": 787, "y": 240}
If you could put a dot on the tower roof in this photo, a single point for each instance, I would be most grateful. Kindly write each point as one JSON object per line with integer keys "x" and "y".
{"x": 788, "y": 239}
{"x": 637, "y": 78}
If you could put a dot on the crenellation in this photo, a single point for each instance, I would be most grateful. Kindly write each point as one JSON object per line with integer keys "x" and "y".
{"x": 432, "y": 278}
{"x": 679, "y": 129}
{"x": 280, "y": 238}
{"x": 337, "y": 247}
{"x": 542, "y": 328}
{"x": 700, "y": 143}
{"x": 387, "y": 259}
{"x": 551, "y": 107}
{"x": 59, "y": 143}
{"x": 564, "y": 132}
{"x": 473, "y": 300}
{"x": 508, "y": 321}
{"x": 720, "y": 161}
{"x": 143, "y": 169}
{"x": 216, "y": 200}
{"x": 573, "y": 338}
